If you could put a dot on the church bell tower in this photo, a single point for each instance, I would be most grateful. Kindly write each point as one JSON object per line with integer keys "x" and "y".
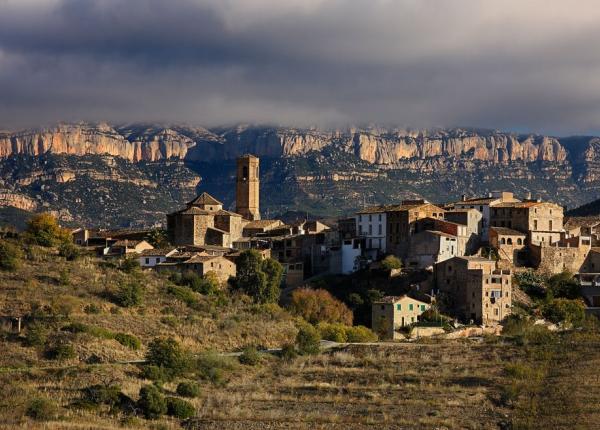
{"x": 247, "y": 187}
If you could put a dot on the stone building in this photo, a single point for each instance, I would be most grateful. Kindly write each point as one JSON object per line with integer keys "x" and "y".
{"x": 471, "y": 218}
{"x": 566, "y": 254}
{"x": 473, "y": 288}
{"x": 509, "y": 243}
{"x": 541, "y": 221}
{"x": 401, "y": 223}
{"x": 248, "y": 187}
{"x": 429, "y": 247}
{"x": 204, "y": 222}
{"x": 483, "y": 205}
{"x": 394, "y": 312}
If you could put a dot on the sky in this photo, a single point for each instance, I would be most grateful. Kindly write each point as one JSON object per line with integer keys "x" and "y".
{"x": 515, "y": 65}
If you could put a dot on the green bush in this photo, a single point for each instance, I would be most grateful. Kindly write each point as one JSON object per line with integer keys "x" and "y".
{"x": 103, "y": 394}
{"x": 564, "y": 285}
{"x": 41, "y": 409}
{"x": 360, "y": 333}
{"x": 185, "y": 294}
{"x": 36, "y": 334}
{"x": 564, "y": 310}
{"x": 60, "y": 351}
{"x": 128, "y": 340}
{"x": 152, "y": 403}
{"x": 288, "y": 352}
{"x": 130, "y": 265}
{"x": 188, "y": 389}
{"x": 69, "y": 251}
{"x": 333, "y": 332}
{"x": 10, "y": 256}
{"x": 155, "y": 373}
{"x": 180, "y": 408}
{"x": 212, "y": 366}
{"x": 308, "y": 340}
{"x": 250, "y": 356}
{"x": 168, "y": 354}
{"x": 129, "y": 294}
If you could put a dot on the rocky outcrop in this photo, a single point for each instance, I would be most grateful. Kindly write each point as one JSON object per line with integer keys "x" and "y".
{"x": 375, "y": 145}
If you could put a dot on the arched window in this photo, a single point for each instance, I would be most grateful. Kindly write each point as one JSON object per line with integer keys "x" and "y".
{"x": 502, "y": 241}
{"x": 509, "y": 241}
{"x": 519, "y": 241}
{"x": 245, "y": 172}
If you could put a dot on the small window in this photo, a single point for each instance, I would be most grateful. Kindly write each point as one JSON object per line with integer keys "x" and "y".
{"x": 410, "y": 307}
{"x": 147, "y": 261}
{"x": 422, "y": 308}
{"x": 399, "y": 307}
{"x": 382, "y": 307}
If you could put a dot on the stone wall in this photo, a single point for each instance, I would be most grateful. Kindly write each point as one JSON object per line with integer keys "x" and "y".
{"x": 556, "y": 259}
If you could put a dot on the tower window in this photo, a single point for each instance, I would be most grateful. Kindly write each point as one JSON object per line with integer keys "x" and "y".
{"x": 245, "y": 172}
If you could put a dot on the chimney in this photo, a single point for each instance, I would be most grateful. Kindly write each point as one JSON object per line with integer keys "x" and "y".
{"x": 528, "y": 196}
{"x": 490, "y": 195}
{"x": 464, "y": 197}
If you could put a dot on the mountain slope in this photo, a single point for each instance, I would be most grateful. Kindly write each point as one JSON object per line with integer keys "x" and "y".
{"x": 132, "y": 174}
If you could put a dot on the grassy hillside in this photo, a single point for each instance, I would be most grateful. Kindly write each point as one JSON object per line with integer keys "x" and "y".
{"x": 75, "y": 340}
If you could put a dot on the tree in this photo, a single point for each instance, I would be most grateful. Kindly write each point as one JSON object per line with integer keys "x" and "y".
{"x": 166, "y": 353}
{"x": 563, "y": 285}
{"x": 69, "y": 250}
{"x": 129, "y": 294}
{"x": 43, "y": 229}
{"x": 391, "y": 262}
{"x": 259, "y": 278}
{"x": 564, "y": 310}
{"x": 319, "y": 306}
{"x": 158, "y": 238}
{"x": 10, "y": 256}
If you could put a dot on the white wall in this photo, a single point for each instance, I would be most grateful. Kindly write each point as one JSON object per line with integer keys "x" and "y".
{"x": 373, "y": 228}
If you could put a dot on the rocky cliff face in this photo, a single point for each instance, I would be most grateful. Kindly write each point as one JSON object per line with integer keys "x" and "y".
{"x": 384, "y": 147}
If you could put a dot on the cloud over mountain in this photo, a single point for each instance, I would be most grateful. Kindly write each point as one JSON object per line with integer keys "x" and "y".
{"x": 512, "y": 64}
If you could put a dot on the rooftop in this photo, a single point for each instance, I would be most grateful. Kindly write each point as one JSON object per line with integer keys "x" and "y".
{"x": 507, "y": 231}
{"x": 157, "y": 252}
{"x": 204, "y": 199}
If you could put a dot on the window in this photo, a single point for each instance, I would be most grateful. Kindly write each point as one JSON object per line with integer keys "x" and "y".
{"x": 380, "y": 230}
{"x": 519, "y": 241}
{"x": 535, "y": 224}
{"x": 370, "y": 218}
{"x": 422, "y": 308}
{"x": 370, "y": 229}
{"x": 550, "y": 225}
{"x": 399, "y": 307}
{"x": 360, "y": 218}
{"x": 496, "y": 311}
{"x": 245, "y": 173}
{"x": 410, "y": 307}
{"x": 382, "y": 307}
{"x": 147, "y": 261}
{"x": 379, "y": 217}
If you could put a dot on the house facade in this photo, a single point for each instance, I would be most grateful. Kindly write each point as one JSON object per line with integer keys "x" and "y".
{"x": 394, "y": 312}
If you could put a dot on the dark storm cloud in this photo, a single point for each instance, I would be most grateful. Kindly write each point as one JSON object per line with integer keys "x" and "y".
{"x": 512, "y": 64}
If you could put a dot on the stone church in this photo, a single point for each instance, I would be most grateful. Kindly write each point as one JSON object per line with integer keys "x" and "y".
{"x": 204, "y": 221}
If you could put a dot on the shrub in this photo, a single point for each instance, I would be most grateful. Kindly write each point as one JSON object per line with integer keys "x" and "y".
{"x": 41, "y": 409}
{"x": 308, "y": 340}
{"x": 250, "y": 356}
{"x": 564, "y": 310}
{"x": 130, "y": 265}
{"x": 212, "y": 366}
{"x": 184, "y": 294}
{"x": 563, "y": 285}
{"x": 155, "y": 373}
{"x": 103, "y": 394}
{"x": 188, "y": 389}
{"x": 129, "y": 294}
{"x": 60, "y": 351}
{"x": 152, "y": 403}
{"x": 69, "y": 251}
{"x": 333, "y": 332}
{"x": 532, "y": 283}
{"x": 288, "y": 352}
{"x": 391, "y": 262}
{"x": 36, "y": 335}
{"x": 91, "y": 309}
{"x": 10, "y": 256}
{"x": 128, "y": 340}
{"x": 168, "y": 354}
{"x": 319, "y": 305}
{"x": 360, "y": 333}
{"x": 180, "y": 408}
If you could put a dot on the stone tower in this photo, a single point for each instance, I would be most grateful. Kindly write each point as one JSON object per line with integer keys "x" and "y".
{"x": 248, "y": 185}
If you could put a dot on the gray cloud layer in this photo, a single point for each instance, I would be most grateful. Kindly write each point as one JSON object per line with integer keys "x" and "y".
{"x": 514, "y": 64}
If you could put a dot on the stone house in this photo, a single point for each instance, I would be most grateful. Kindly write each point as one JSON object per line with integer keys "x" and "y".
{"x": 566, "y": 254}
{"x": 429, "y": 247}
{"x": 474, "y": 289}
{"x": 541, "y": 221}
{"x": 464, "y": 241}
{"x": 125, "y": 247}
{"x": 293, "y": 274}
{"x": 258, "y": 227}
{"x": 151, "y": 257}
{"x": 402, "y": 223}
{"x": 483, "y": 205}
{"x": 200, "y": 263}
{"x": 584, "y": 226}
{"x": 509, "y": 243}
{"x": 394, "y": 312}
{"x": 204, "y": 222}
{"x": 473, "y": 220}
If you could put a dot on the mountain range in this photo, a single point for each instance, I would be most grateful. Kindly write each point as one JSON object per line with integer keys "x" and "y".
{"x": 132, "y": 174}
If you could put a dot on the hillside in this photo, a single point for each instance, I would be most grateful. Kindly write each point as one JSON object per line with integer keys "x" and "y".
{"x": 133, "y": 174}
{"x": 539, "y": 380}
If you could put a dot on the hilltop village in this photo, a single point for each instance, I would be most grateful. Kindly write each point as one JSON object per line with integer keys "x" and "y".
{"x": 459, "y": 257}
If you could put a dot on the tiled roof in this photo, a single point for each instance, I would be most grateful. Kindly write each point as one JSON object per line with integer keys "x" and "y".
{"x": 441, "y": 233}
{"x": 157, "y": 252}
{"x": 507, "y": 231}
{"x": 126, "y": 242}
{"x": 393, "y": 299}
{"x": 263, "y": 223}
{"x": 204, "y": 199}
{"x": 194, "y": 210}
{"x": 228, "y": 213}
{"x": 198, "y": 258}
